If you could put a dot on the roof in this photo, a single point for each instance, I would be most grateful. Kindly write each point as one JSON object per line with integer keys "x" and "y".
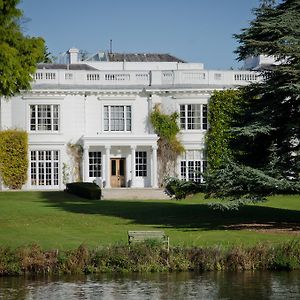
{"x": 143, "y": 57}
{"x": 82, "y": 67}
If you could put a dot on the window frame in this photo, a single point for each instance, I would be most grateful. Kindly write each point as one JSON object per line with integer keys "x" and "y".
{"x": 39, "y": 124}
{"x": 47, "y": 161}
{"x": 94, "y": 165}
{"x": 192, "y": 165}
{"x": 141, "y": 164}
{"x": 193, "y": 116}
{"x": 112, "y": 122}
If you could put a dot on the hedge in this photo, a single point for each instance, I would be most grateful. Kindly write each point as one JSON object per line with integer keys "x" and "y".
{"x": 87, "y": 190}
{"x": 13, "y": 158}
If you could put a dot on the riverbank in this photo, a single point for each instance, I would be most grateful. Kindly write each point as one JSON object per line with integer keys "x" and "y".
{"x": 148, "y": 257}
{"x": 58, "y": 220}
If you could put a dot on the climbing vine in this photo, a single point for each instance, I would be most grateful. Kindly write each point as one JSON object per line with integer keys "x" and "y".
{"x": 223, "y": 107}
{"x": 169, "y": 147}
{"x": 75, "y": 152}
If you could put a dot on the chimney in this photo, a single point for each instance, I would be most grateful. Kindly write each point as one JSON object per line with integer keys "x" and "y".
{"x": 73, "y": 55}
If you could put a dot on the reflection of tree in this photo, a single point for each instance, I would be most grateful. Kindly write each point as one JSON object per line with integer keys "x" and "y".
{"x": 208, "y": 285}
{"x": 13, "y": 288}
{"x": 240, "y": 285}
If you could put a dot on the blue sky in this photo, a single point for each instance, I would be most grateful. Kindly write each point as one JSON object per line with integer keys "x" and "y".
{"x": 194, "y": 30}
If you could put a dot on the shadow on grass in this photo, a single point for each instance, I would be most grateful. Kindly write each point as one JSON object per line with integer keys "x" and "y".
{"x": 178, "y": 214}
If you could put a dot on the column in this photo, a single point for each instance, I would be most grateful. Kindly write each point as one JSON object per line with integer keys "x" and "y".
{"x": 86, "y": 163}
{"x": 133, "y": 148}
{"x": 154, "y": 166}
{"x": 107, "y": 166}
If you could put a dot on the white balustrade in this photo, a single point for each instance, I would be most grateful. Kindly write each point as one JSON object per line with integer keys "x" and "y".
{"x": 146, "y": 78}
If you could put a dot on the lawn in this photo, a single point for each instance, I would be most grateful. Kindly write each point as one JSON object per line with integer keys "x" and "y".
{"x": 60, "y": 220}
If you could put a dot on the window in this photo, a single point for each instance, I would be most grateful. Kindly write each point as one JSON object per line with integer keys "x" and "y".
{"x": 193, "y": 116}
{"x": 218, "y": 76}
{"x": 117, "y": 118}
{"x": 44, "y": 168}
{"x": 141, "y": 163}
{"x": 95, "y": 164}
{"x": 193, "y": 163}
{"x": 44, "y": 117}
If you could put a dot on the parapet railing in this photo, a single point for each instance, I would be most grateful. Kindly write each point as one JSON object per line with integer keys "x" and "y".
{"x": 146, "y": 78}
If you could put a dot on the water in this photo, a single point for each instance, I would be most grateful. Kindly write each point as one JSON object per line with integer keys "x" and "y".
{"x": 214, "y": 285}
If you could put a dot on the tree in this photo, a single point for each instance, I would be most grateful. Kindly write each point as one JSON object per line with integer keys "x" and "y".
{"x": 19, "y": 54}
{"x": 272, "y": 119}
{"x": 265, "y": 139}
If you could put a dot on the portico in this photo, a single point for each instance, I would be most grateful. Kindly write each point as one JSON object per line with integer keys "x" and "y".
{"x": 120, "y": 161}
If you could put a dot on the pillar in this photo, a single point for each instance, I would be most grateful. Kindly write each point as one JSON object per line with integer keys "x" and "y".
{"x": 86, "y": 163}
{"x": 154, "y": 167}
{"x": 107, "y": 166}
{"x": 133, "y": 148}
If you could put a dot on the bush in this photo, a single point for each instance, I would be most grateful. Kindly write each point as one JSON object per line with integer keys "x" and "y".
{"x": 88, "y": 190}
{"x": 13, "y": 158}
{"x": 181, "y": 188}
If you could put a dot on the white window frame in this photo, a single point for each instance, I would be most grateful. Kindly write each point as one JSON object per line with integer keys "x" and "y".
{"x": 141, "y": 162}
{"x": 193, "y": 116}
{"x": 44, "y": 168}
{"x": 114, "y": 124}
{"x": 40, "y": 122}
{"x": 95, "y": 164}
{"x": 192, "y": 164}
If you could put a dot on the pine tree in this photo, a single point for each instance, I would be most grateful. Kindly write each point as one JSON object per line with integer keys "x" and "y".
{"x": 271, "y": 123}
{"x": 265, "y": 139}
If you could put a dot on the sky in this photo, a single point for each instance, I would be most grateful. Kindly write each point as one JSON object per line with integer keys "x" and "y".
{"x": 193, "y": 30}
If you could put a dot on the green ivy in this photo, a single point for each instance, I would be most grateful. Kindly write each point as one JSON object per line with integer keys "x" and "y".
{"x": 13, "y": 158}
{"x": 169, "y": 147}
{"x": 223, "y": 108}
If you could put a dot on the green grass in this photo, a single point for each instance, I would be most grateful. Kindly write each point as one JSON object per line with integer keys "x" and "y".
{"x": 60, "y": 220}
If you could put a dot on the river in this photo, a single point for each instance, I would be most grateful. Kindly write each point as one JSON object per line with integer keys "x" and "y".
{"x": 209, "y": 285}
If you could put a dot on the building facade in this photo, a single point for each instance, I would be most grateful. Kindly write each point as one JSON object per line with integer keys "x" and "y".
{"x": 90, "y": 119}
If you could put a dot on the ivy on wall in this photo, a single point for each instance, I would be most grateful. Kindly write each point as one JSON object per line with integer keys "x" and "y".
{"x": 223, "y": 107}
{"x": 75, "y": 152}
{"x": 13, "y": 158}
{"x": 169, "y": 147}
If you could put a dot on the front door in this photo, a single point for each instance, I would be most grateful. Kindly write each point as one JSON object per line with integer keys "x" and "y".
{"x": 117, "y": 172}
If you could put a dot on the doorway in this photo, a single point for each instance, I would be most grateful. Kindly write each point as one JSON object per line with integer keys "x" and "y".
{"x": 117, "y": 178}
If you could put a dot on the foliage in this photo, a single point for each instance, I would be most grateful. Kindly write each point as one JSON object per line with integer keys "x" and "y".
{"x": 265, "y": 135}
{"x": 19, "y": 54}
{"x": 13, "y": 158}
{"x": 169, "y": 147}
{"x": 244, "y": 184}
{"x": 87, "y": 190}
{"x": 180, "y": 189}
{"x": 75, "y": 151}
{"x": 145, "y": 257}
{"x": 224, "y": 107}
{"x": 274, "y": 32}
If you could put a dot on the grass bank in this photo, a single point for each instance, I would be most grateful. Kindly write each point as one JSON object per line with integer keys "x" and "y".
{"x": 57, "y": 220}
{"x": 148, "y": 257}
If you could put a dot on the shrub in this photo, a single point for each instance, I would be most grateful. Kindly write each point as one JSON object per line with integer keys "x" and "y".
{"x": 87, "y": 190}
{"x": 181, "y": 188}
{"x": 13, "y": 158}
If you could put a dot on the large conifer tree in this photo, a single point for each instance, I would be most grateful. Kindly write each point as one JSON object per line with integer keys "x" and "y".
{"x": 265, "y": 139}
{"x": 271, "y": 126}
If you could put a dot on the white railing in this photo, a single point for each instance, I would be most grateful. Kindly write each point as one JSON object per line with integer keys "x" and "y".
{"x": 146, "y": 78}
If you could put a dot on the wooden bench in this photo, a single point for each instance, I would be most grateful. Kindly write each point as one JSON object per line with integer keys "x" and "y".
{"x": 140, "y": 236}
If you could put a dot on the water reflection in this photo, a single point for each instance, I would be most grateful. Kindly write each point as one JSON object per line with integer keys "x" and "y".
{"x": 214, "y": 285}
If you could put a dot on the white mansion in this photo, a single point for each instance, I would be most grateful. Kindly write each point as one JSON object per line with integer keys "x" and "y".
{"x": 103, "y": 104}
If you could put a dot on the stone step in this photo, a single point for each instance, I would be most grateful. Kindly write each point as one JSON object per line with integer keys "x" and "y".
{"x": 131, "y": 193}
